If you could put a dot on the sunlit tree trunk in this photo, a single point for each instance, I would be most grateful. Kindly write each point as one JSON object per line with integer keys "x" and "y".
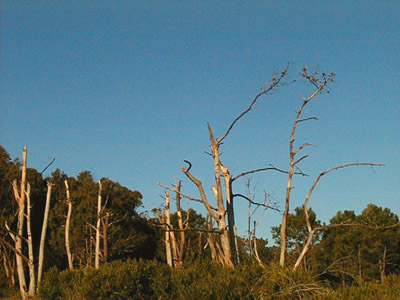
{"x": 20, "y": 198}
{"x": 105, "y": 224}
{"x": 168, "y": 247}
{"x": 31, "y": 264}
{"x": 181, "y": 248}
{"x": 67, "y": 227}
{"x": 43, "y": 235}
{"x": 97, "y": 249}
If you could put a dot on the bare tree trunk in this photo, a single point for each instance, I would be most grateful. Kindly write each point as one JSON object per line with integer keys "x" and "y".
{"x": 168, "y": 247}
{"x": 105, "y": 223}
{"x": 97, "y": 250}
{"x": 312, "y": 231}
{"x": 320, "y": 85}
{"x": 305, "y": 250}
{"x": 67, "y": 227}
{"x": 255, "y": 245}
{"x": 230, "y": 213}
{"x": 31, "y": 264}
{"x": 43, "y": 235}
{"x": 8, "y": 268}
{"x": 20, "y": 198}
{"x": 182, "y": 241}
{"x": 224, "y": 236}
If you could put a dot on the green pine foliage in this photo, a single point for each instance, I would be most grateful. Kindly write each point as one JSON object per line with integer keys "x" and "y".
{"x": 360, "y": 261}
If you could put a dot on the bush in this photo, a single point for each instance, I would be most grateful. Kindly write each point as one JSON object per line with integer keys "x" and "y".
{"x": 202, "y": 279}
{"x": 387, "y": 290}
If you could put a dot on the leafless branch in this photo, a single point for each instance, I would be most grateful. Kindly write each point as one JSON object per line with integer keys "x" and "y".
{"x": 182, "y": 194}
{"x": 256, "y": 203}
{"x": 8, "y": 245}
{"x": 300, "y": 159}
{"x": 274, "y": 83}
{"x": 52, "y": 161}
{"x": 187, "y": 229}
{"x": 259, "y": 170}
{"x": 302, "y": 147}
{"x": 199, "y": 185}
{"x": 307, "y": 119}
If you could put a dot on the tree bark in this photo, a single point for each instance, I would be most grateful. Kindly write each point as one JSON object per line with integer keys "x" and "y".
{"x": 67, "y": 227}
{"x": 105, "y": 223}
{"x": 43, "y": 235}
{"x": 230, "y": 213}
{"x": 224, "y": 236}
{"x": 168, "y": 247}
{"x": 20, "y": 198}
{"x": 312, "y": 231}
{"x": 180, "y": 223}
{"x": 31, "y": 264}
{"x": 97, "y": 249}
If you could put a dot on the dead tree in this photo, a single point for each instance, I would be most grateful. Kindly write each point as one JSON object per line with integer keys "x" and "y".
{"x": 319, "y": 85}
{"x": 224, "y": 215}
{"x": 311, "y": 230}
{"x": 182, "y": 241}
{"x": 31, "y": 263}
{"x": 67, "y": 227}
{"x": 97, "y": 249}
{"x": 20, "y": 198}
{"x": 43, "y": 235}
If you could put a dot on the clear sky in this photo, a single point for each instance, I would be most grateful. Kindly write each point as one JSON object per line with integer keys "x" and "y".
{"x": 125, "y": 89}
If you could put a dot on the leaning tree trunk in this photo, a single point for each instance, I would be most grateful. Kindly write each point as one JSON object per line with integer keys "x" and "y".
{"x": 43, "y": 235}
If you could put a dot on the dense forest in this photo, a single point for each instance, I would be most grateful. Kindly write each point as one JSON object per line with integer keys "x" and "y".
{"x": 64, "y": 237}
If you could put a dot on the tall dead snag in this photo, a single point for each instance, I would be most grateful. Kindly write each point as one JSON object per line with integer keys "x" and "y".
{"x": 319, "y": 84}
{"x": 312, "y": 231}
{"x": 20, "y": 198}
{"x": 105, "y": 222}
{"x": 181, "y": 248}
{"x": 97, "y": 249}
{"x": 67, "y": 226}
{"x": 218, "y": 216}
{"x": 31, "y": 264}
{"x": 167, "y": 222}
{"x": 227, "y": 230}
{"x": 43, "y": 235}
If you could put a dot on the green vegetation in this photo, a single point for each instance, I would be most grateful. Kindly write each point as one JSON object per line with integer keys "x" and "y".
{"x": 354, "y": 257}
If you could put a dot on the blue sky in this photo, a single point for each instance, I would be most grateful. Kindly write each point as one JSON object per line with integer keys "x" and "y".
{"x": 125, "y": 89}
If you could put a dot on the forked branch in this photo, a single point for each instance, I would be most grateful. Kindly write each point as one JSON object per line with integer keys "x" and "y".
{"x": 275, "y": 83}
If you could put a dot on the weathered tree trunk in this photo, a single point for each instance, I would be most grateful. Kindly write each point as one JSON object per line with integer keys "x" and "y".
{"x": 43, "y": 235}
{"x": 20, "y": 198}
{"x": 67, "y": 227}
{"x": 255, "y": 245}
{"x": 97, "y": 250}
{"x": 181, "y": 248}
{"x": 312, "y": 231}
{"x": 31, "y": 264}
{"x": 8, "y": 267}
{"x": 224, "y": 236}
{"x": 105, "y": 224}
{"x": 320, "y": 85}
{"x": 230, "y": 212}
{"x": 168, "y": 246}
